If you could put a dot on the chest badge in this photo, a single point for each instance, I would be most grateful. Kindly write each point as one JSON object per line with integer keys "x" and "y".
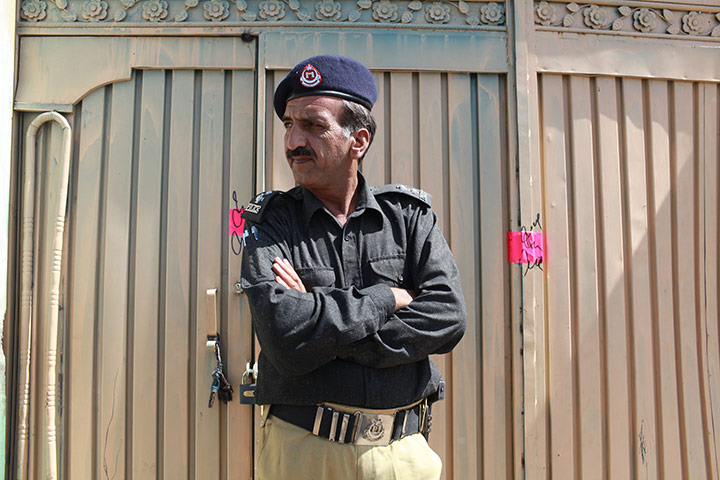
{"x": 310, "y": 77}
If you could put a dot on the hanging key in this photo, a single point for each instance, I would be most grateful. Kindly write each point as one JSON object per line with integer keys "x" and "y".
{"x": 220, "y": 385}
{"x": 214, "y": 388}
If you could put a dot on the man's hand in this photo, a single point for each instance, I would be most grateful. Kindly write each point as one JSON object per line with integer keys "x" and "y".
{"x": 402, "y": 297}
{"x": 286, "y": 275}
{"x": 288, "y": 278}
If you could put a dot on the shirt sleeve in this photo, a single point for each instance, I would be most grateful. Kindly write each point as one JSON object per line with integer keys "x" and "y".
{"x": 300, "y": 332}
{"x": 435, "y": 321}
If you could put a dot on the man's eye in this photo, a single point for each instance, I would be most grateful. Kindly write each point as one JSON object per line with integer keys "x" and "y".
{"x": 287, "y": 125}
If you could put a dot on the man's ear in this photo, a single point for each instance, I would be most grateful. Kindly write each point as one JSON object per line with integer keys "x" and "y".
{"x": 361, "y": 142}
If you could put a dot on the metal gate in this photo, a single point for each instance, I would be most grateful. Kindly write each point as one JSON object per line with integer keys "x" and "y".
{"x": 594, "y": 125}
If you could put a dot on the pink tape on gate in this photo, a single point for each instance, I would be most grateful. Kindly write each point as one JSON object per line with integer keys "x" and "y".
{"x": 525, "y": 247}
{"x": 236, "y": 223}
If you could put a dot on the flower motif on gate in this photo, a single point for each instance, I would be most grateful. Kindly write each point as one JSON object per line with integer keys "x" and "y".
{"x": 644, "y": 20}
{"x": 155, "y": 10}
{"x": 94, "y": 10}
{"x": 216, "y": 10}
{"x": 272, "y": 9}
{"x": 328, "y": 10}
{"x": 595, "y": 16}
{"x": 546, "y": 13}
{"x": 492, "y": 13}
{"x": 385, "y": 11}
{"x": 438, "y": 12}
{"x": 693, "y": 23}
{"x": 33, "y": 10}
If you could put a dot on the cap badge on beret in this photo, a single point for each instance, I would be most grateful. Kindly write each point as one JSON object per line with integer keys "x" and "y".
{"x": 310, "y": 77}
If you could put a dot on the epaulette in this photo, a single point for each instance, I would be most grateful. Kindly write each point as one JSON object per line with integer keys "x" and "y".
{"x": 256, "y": 210}
{"x": 421, "y": 195}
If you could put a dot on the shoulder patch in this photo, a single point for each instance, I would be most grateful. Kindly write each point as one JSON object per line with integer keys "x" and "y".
{"x": 257, "y": 208}
{"x": 421, "y": 195}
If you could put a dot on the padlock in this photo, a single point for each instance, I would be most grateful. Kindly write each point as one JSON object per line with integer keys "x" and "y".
{"x": 247, "y": 390}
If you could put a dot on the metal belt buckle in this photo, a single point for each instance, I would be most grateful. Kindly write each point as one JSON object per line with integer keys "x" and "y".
{"x": 373, "y": 429}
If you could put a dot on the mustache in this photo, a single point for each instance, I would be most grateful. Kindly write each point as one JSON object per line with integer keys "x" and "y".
{"x": 300, "y": 152}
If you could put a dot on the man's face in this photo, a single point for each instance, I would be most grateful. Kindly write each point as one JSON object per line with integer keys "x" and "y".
{"x": 316, "y": 147}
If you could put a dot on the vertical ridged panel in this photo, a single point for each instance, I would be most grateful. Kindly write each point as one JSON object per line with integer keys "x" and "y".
{"x": 144, "y": 409}
{"x": 80, "y": 391}
{"x": 466, "y": 388}
{"x": 402, "y": 129}
{"x": 175, "y": 443}
{"x": 561, "y": 394}
{"x": 240, "y": 183}
{"x": 374, "y": 165}
{"x": 612, "y": 287}
{"x": 586, "y": 341}
{"x": 432, "y": 167}
{"x": 662, "y": 278}
{"x": 279, "y": 177}
{"x": 690, "y": 336}
{"x": 210, "y": 219}
{"x": 638, "y": 270}
{"x": 630, "y": 193}
{"x": 495, "y": 351}
{"x": 710, "y": 145}
{"x": 113, "y": 286}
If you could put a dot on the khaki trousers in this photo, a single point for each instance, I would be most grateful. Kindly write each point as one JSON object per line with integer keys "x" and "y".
{"x": 293, "y": 453}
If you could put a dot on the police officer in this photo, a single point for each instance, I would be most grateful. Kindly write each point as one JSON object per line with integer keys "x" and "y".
{"x": 351, "y": 288}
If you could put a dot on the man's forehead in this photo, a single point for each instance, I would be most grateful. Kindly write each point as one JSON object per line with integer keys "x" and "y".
{"x": 314, "y": 105}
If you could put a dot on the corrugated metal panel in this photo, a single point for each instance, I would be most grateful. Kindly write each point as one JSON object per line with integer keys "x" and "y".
{"x": 630, "y": 217}
{"x": 447, "y": 134}
{"x": 158, "y": 161}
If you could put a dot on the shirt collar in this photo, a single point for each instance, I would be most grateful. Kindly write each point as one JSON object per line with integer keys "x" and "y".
{"x": 365, "y": 200}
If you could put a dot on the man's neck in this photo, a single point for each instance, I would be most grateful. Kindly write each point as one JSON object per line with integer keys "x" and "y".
{"x": 340, "y": 200}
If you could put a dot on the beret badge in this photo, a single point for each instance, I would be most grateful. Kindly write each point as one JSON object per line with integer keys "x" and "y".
{"x": 310, "y": 77}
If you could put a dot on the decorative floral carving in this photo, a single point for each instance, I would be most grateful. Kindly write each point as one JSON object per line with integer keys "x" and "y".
{"x": 216, "y": 10}
{"x": 272, "y": 9}
{"x": 155, "y": 10}
{"x": 437, "y": 12}
{"x": 595, "y": 16}
{"x": 492, "y": 13}
{"x": 630, "y": 19}
{"x": 385, "y": 11}
{"x": 449, "y": 13}
{"x": 94, "y": 10}
{"x": 644, "y": 20}
{"x": 693, "y": 23}
{"x": 546, "y": 13}
{"x": 34, "y": 10}
{"x": 328, "y": 10}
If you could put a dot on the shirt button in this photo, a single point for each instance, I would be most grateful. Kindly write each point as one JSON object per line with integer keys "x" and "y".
{"x": 347, "y": 238}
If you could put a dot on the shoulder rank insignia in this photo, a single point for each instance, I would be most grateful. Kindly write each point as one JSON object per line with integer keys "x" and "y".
{"x": 421, "y": 195}
{"x": 256, "y": 209}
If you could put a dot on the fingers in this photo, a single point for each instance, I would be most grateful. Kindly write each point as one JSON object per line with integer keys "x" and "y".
{"x": 286, "y": 275}
{"x": 403, "y": 297}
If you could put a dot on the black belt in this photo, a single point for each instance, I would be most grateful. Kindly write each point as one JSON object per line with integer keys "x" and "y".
{"x": 360, "y": 428}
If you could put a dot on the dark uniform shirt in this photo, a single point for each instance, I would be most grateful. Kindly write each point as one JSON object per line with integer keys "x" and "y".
{"x": 342, "y": 341}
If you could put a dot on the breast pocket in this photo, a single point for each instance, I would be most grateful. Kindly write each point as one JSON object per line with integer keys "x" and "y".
{"x": 317, "y": 277}
{"x": 388, "y": 270}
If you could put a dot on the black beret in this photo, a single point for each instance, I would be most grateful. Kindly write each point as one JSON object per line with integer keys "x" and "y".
{"x": 327, "y": 75}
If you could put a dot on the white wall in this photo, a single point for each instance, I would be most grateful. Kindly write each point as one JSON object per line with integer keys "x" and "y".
{"x": 7, "y": 72}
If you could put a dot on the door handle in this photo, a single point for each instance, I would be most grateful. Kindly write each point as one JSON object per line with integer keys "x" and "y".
{"x": 212, "y": 330}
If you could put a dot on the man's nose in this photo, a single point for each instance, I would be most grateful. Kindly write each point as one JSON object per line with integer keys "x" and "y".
{"x": 294, "y": 138}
